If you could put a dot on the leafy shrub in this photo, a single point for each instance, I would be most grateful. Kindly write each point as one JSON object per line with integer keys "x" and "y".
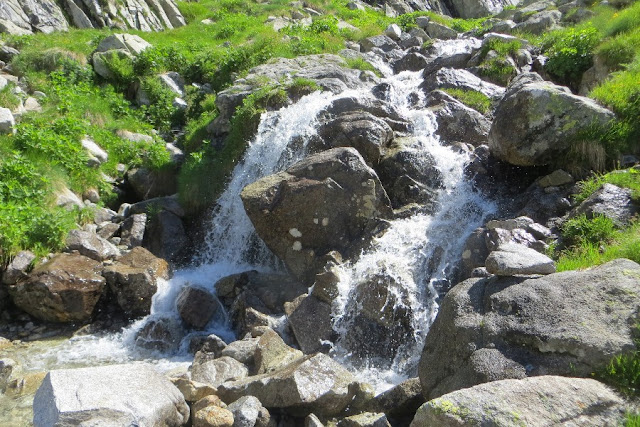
{"x": 160, "y": 112}
{"x": 501, "y": 47}
{"x": 624, "y": 21}
{"x": 570, "y": 53}
{"x": 471, "y": 98}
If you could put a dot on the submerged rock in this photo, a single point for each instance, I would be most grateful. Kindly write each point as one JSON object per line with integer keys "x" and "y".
{"x": 539, "y": 401}
{"x": 569, "y": 323}
{"x": 109, "y": 395}
{"x": 320, "y": 204}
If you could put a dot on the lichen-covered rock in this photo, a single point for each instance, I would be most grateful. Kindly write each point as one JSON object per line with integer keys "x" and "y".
{"x": 511, "y": 259}
{"x": 569, "y": 323}
{"x": 109, "y": 395}
{"x": 320, "y": 204}
{"x": 366, "y": 419}
{"x": 64, "y": 289}
{"x": 539, "y": 401}
{"x": 216, "y": 371}
{"x": 536, "y": 120}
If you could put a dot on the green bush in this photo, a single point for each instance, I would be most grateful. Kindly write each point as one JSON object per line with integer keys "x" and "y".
{"x": 619, "y": 50}
{"x": 570, "y": 53}
{"x": 160, "y": 112}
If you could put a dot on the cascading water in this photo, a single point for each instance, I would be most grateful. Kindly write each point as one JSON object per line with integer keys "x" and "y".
{"x": 417, "y": 253}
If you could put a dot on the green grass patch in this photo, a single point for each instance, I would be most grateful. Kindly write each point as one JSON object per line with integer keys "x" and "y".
{"x": 362, "y": 64}
{"x": 471, "y": 98}
{"x": 629, "y": 178}
{"x": 581, "y": 230}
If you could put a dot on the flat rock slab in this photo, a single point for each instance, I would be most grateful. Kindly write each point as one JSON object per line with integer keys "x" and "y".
{"x": 511, "y": 259}
{"x": 116, "y": 395}
{"x": 538, "y": 401}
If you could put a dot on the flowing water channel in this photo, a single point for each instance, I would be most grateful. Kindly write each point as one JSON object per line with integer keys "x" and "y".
{"x": 418, "y": 252}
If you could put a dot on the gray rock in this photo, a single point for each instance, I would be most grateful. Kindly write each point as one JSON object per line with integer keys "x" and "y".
{"x": 17, "y": 268}
{"x": 439, "y": 31}
{"x": 169, "y": 203}
{"x": 539, "y": 401}
{"x": 150, "y": 184}
{"x": 517, "y": 326}
{"x": 67, "y": 199}
{"x": 197, "y": 307}
{"x": 478, "y": 8}
{"x": 366, "y": 419}
{"x": 129, "y": 42}
{"x": 215, "y": 372}
{"x": 556, "y": 178}
{"x": 322, "y": 203}
{"x": 133, "y": 279}
{"x": 242, "y": 350}
{"x": 272, "y": 354}
{"x": 412, "y": 61}
{"x": 109, "y": 396}
{"x": 133, "y": 137}
{"x": 64, "y": 289}
{"x": 132, "y": 230}
{"x": 399, "y": 402}
{"x": 160, "y": 335}
{"x": 610, "y": 201}
{"x": 7, "y": 122}
{"x": 540, "y": 22}
{"x": 313, "y": 384}
{"x": 456, "y": 121}
{"x": 361, "y": 130}
{"x": 91, "y": 245}
{"x": 512, "y": 259}
{"x": 311, "y": 324}
{"x": 384, "y": 43}
{"x": 312, "y": 420}
{"x": 536, "y": 120}
{"x": 166, "y": 236}
{"x": 393, "y": 31}
{"x": 448, "y": 78}
{"x": 249, "y": 412}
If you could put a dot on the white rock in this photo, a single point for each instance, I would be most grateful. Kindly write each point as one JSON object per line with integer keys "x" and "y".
{"x": 7, "y": 122}
{"x": 95, "y": 150}
{"x": 393, "y": 31}
{"x": 511, "y": 259}
{"x": 115, "y": 395}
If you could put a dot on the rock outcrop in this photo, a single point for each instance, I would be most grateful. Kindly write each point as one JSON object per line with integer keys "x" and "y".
{"x": 570, "y": 323}
{"x": 28, "y": 16}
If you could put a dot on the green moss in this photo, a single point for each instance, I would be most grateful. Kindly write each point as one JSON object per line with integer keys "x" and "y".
{"x": 471, "y": 98}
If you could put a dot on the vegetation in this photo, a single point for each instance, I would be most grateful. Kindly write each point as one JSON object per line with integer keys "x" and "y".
{"x": 471, "y": 98}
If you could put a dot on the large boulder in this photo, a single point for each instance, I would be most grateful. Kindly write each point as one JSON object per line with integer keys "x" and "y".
{"x": 511, "y": 259}
{"x": 322, "y": 203}
{"x": 91, "y": 245}
{"x": 208, "y": 369}
{"x": 569, "y": 323}
{"x": 456, "y": 121}
{"x": 133, "y": 279}
{"x": 165, "y": 235}
{"x": 478, "y": 8}
{"x": 122, "y": 46}
{"x": 64, "y": 289}
{"x": 540, "y": 401}
{"x": 17, "y": 268}
{"x": 537, "y": 121}
{"x": 450, "y": 78}
{"x": 109, "y": 395}
{"x": 197, "y": 307}
{"x": 315, "y": 384}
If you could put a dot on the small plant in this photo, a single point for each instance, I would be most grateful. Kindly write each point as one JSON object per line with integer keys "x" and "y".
{"x": 580, "y": 230}
{"x": 471, "y": 98}
{"x": 362, "y": 64}
{"x": 570, "y": 53}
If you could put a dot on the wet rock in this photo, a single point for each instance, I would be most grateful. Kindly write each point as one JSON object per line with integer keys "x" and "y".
{"x": 17, "y": 268}
{"x": 512, "y": 259}
{"x": 197, "y": 307}
{"x": 412, "y": 61}
{"x": 64, "y": 289}
{"x": 408, "y": 173}
{"x": 556, "y": 178}
{"x": 610, "y": 201}
{"x": 160, "y": 335}
{"x": 166, "y": 236}
{"x": 311, "y": 324}
{"x": 109, "y": 395}
{"x": 133, "y": 279}
{"x": 214, "y": 372}
{"x": 570, "y": 323}
{"x": 158, "y": 204}
{"x": 361, "y": 130}
{"x": 536, "y": 120}
{"x": 207, "y": 344}
{"x": 531, "y": 401}
{"x": 399, "y": 402}
{"x": 456, "y": 121}
{"x": 322, "y": 203}
{"x": 313, "y": 384}
{"x": 148, "y": 184}
{"x": 449, "y": 78}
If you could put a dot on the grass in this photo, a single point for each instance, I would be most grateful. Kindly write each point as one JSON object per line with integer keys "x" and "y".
{"x": 629, "y": 178}
{"x": 471, "y": 98}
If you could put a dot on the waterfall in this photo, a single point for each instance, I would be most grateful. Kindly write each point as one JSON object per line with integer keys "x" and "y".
{"x": 418, "y": 253}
